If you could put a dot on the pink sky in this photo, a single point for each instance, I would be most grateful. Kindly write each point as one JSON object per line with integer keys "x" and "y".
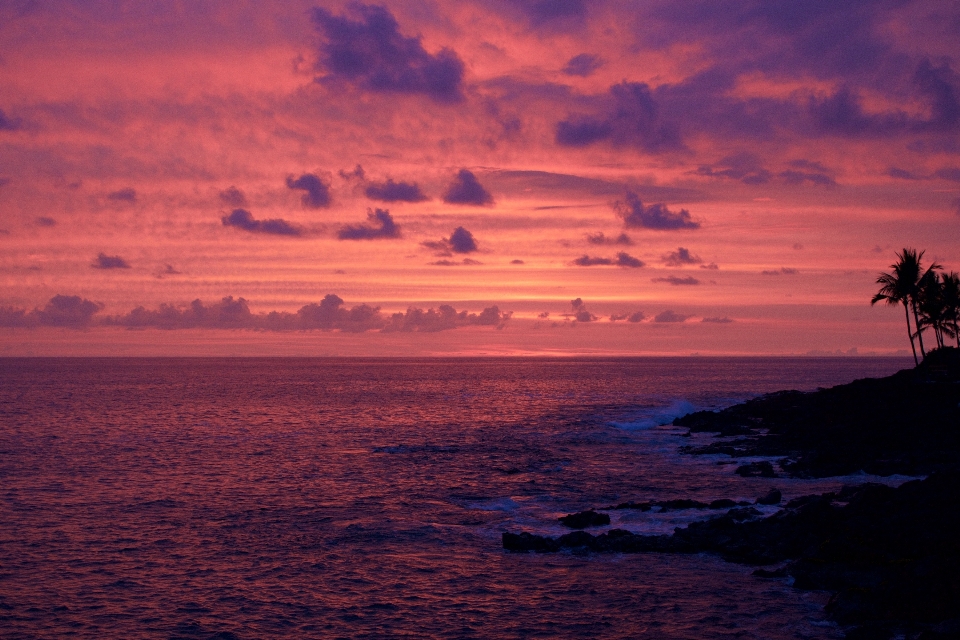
{"x": 704, "y": 179}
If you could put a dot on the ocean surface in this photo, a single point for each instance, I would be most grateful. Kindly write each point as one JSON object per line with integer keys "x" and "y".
{"x": 325, "y": 498}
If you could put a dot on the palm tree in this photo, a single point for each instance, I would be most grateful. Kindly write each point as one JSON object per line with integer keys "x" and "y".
{"x": 950, "y": 293}
{"x": 932, "y": 305}
{"x": 898, "y": 287}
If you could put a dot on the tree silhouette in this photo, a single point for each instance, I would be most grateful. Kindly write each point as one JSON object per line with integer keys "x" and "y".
{"x": 931, "y": 297}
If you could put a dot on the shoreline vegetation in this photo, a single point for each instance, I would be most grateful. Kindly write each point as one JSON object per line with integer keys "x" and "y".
{"x": 890, "y": 556}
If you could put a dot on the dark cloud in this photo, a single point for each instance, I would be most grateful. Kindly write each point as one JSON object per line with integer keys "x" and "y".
{"x": 600, "y": 238}
{"x": 949, "y": 173}
{"x": 636, "y": 316}
{"x": 7, "y": 123}
{"x": 330, "y": 314}
{"x": 718, "y": 320}
{"x": 381, "y": 225}
{"x": 110, "y": 262}
{"x": 545, "y": 11}
{"x": 669, "y": 316}
{"x": 465, "y": 189}
{"x": 903, "y": 174}
{"x": 580, "y": 312}
{"x": 680, "y": 257}
{"x": 781, "y": 271}
{"x": 712, "y": 265}
{"x": 622, "y": 260}
{"x": 233, "y": 197}
{"x": 588, "y": 261}
{"x": 317, "y": 191}
{"x": 391, "y": 191}
{"x": 631, "y": 118}
{"x": 583, "y": 65}
{"x": 461, "y": 241}
{"x": 443, "y": 318}
{"x": 745, "y": 167}
{"x": 678, "y": 281}
{"x": 939, "y": 85}
{"x": 46, "y": 221}
{"x": 127, "y": 194}
{"x": 791, "y": 176}
{"x": 243, "y": 219}
{"x": 453, "y": 263}
{"x": 67, "y": 311}
{"x": 372, "y": 53}
{"x": 357, "y": 174}
{"x": 170, "y": 271}
{"x": 654, "y": 216}
{"x": 517, "y": 261}
{"x": 626, "y": 260}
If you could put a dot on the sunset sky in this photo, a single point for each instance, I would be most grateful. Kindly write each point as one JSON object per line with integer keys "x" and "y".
{"x": 497, "y": 177}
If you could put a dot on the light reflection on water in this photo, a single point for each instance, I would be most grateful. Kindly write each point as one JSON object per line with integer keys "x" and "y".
{"x": 325, "y": 497}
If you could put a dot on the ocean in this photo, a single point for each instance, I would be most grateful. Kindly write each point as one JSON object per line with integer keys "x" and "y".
{"x": 366, "y": 498}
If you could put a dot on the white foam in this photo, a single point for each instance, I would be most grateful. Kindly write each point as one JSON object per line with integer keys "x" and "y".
{"x": 657, "y": 416}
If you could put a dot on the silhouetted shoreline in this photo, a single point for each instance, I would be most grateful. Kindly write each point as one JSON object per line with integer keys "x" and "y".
{"x": 890, "y": 556}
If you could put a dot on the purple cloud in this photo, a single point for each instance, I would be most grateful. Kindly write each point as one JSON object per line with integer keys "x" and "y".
{"x": 781, "y": 271}
{"x": 127, "y": 194}
{"x": 372, "y": 53}
{"x": 233, "y": 197}
{"x": 655, "y": 216}
{"x": 391, "y": 191}
{"x": 465, "y": 189}
{"x": 678, "y": 281}
{"x": 110, "y": 262}
{"x": 583, "y": 65}
{"x": 680, "y": 257}
{"x": 67, "y": 311}
{"x": 317, "y": 192}
{"x": 600, "y": 238}
{"x": 243, "y": 219}
{"x": 6, "y": 123}
{"x": 381, "y": 225}
{"x": 718, "y": 320}
{"x": 622, "y": 260}
{"x": 631, "y": 118}
{"x": 669, "y": 316}
{"x": 580, "y": 312}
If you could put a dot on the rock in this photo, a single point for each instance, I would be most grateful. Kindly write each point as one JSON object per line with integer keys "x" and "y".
{"x": 776, "y": 573}
{"x": 722, "y": 503}
{"x": 772, "y": 497}
{"x": 585, "y": 519}
{"x": 676, "y": 505}
{"x": 762, "y": 469}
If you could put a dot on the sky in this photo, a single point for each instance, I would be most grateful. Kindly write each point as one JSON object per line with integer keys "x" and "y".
{"x": 504, "y": 177}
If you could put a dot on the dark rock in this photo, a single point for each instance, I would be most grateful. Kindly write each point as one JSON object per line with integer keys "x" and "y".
{"x": 677, "y": 505}
{"x": 585, "y": 519}
{"x": 776, "y": 573}
{"x": 722, "y": 503}
{"x": 771, "y": 497}
{"x": 743, "y": 513}
{"x": 762, "y": 469}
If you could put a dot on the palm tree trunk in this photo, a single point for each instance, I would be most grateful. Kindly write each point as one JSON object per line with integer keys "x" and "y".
{"x": 916, "y": 319}
{"x": 906, "y": 310}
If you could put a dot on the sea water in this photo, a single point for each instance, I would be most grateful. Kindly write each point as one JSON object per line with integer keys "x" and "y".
{"x": 366, "y": 498}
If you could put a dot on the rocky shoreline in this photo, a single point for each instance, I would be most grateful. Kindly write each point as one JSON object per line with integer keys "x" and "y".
{"x": 891, "y": 556}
